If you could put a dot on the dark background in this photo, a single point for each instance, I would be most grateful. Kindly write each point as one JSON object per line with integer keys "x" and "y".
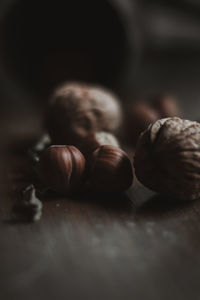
{"x": 121, "y": 247}
{"x": 134, "y": 47}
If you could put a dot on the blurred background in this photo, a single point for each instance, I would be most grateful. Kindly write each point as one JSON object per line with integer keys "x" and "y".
{"x": 135, "y": 47}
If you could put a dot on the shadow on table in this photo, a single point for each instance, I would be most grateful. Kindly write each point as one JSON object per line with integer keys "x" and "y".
{"x": 160, "y": 205}
{"x": 120, "y": 202}
{"x": 117, "y": 203}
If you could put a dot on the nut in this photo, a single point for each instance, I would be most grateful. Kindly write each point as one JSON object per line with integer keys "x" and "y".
{"x": 94, "y": 140}
{"x": 110, "y": 170}
{"x": 139, "y": 116}
{"x": 167, "y": 158}
{"x": 61, "y": 168}
{"x": 76, "y": 110}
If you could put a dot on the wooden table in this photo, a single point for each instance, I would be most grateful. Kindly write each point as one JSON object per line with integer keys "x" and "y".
{"x": 94, "y": 247}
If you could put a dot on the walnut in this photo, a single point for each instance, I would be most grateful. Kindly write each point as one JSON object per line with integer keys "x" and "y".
{"x": 77, "y": 110}
{"x": 167, "y": 158}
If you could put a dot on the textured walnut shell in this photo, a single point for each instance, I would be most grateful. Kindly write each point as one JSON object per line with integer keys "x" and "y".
{"x": 167, "y": 158}
{"x": 110, "y": 170}
{"x": 76, "y": 110}
{"x": 62, "y": 168}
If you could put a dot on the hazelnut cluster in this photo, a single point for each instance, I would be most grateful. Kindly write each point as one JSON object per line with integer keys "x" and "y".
{"x": 167, "y": 158}
{"x": 63, "y": 169}
{"x": 81, "y": 121}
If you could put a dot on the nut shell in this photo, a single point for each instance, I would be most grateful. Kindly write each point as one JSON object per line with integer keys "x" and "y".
{"x": 110, "y": 170}
{"x": 76, "y": 110}
{"x": 167, "y": 158}
{"x": 62, "y": 168}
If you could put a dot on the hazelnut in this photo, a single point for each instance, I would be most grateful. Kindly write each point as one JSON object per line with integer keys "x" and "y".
{"x": 61, "y": 168}
{"x": 94, "y": 140}
{"x": 76, "y": 110}
{"x": 167, "y": 158}
{"x": 139, "y": 116}
{"x": 110, "y": 170}
{"x": 165, "y": 105}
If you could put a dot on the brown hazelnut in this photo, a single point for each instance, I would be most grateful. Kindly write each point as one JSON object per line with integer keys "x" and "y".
{"x": 110, "y": 170}
{"x": 166, "y": 106}
{"x": 62, "y": 168}
{"x": 139, "y": 116}
{"x": 167, "y": 158}
{"x": 94, "y": 140}
{"x": 76, "y": 110}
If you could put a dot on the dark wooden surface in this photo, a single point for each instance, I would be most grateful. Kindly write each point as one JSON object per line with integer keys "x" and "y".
{"x": 94, "y": 247}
